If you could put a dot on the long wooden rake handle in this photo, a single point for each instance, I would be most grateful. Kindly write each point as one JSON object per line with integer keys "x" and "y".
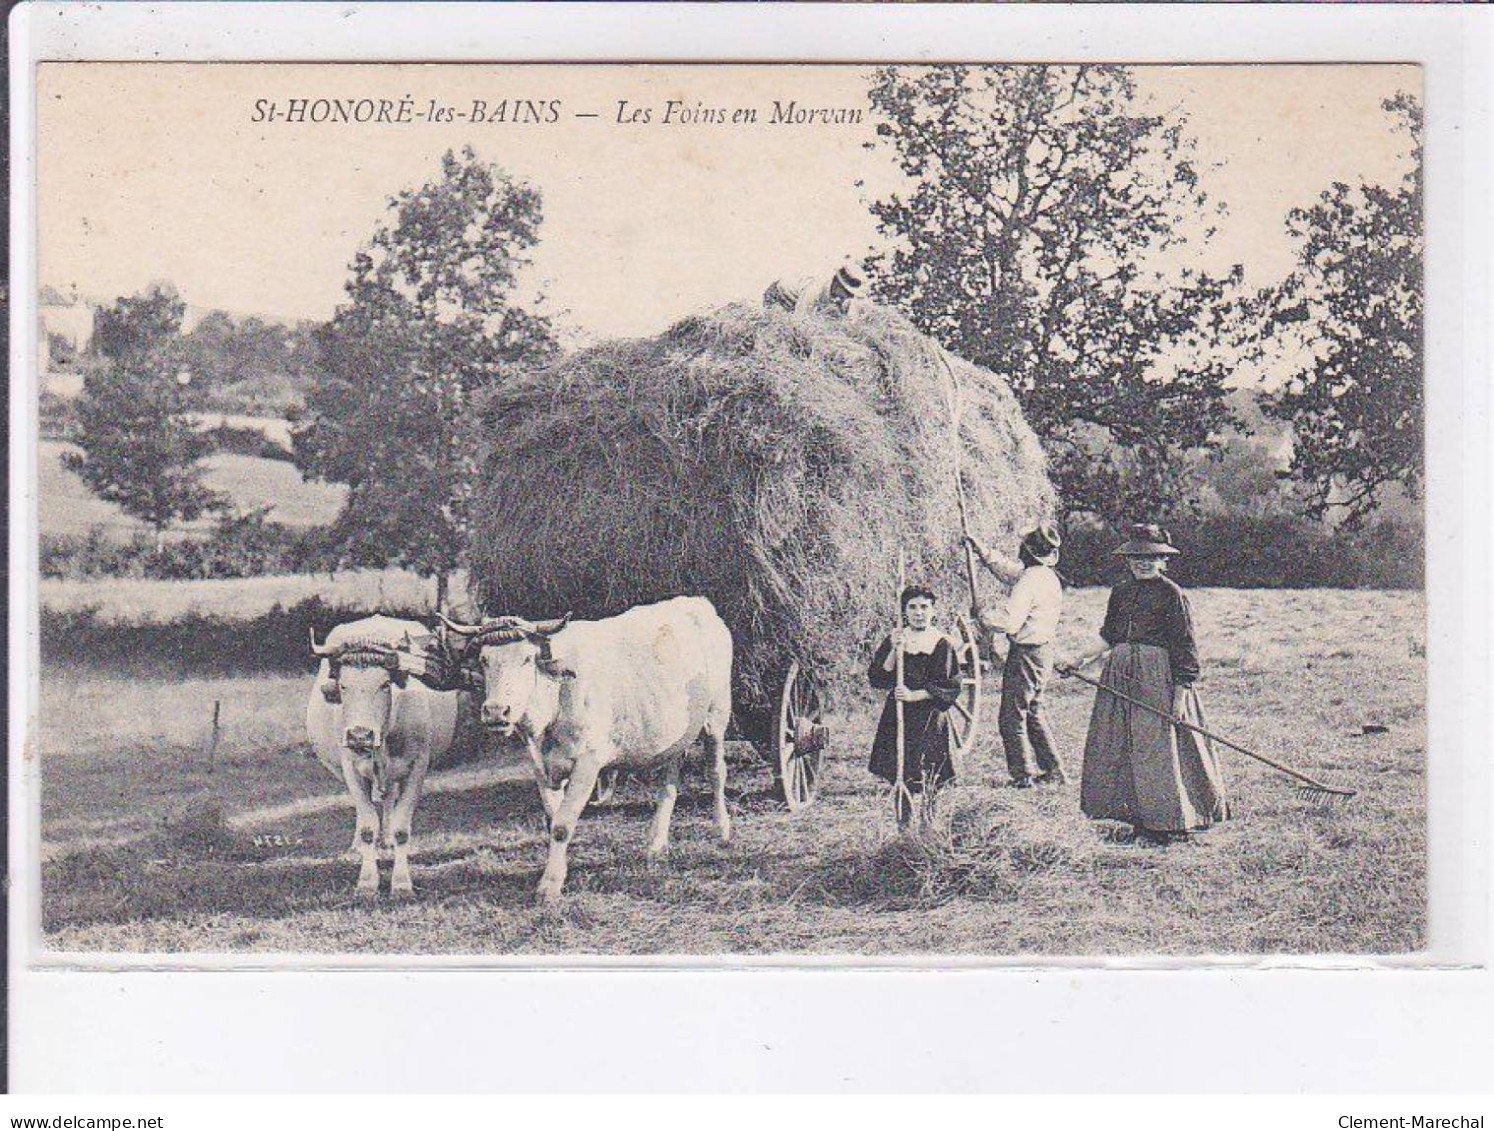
{"x": 955, "y": 412}
{"x": 1290, "y": 771}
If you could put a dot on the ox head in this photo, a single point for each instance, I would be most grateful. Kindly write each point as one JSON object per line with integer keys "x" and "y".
{"x": 520, "y": 675}
{"x": 363, "y": 678}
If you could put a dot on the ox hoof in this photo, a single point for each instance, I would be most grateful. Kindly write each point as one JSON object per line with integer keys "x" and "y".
{"x": 548, "y": 892}
{"x": 402, "y": 894}
{"x": 367, "y": 894}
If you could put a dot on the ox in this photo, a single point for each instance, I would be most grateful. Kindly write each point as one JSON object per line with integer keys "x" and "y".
{"x": 380, "y": 731}
{"x": 635, "y": 690}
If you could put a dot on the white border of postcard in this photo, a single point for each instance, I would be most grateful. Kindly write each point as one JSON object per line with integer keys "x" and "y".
{"x": 145, "y": 1023}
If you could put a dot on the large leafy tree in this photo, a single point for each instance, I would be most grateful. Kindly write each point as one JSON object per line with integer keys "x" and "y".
{"x": 1346, "y": 328}
{"x": 137, "y": 448}
{"x": 433, "y": 316}
{"x": 1034, "y": 236}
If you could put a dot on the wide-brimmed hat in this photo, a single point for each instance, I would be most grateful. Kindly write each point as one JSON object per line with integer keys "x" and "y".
{"x": 1146, "y": 540}
{"x": 1042, "y": 542}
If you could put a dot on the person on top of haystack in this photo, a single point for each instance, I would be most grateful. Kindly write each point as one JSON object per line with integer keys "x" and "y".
{"x": 1029, "y": 622}
{"x": 1139, "y": 767}
{"x": 834, "y": 295}
{"x": 931, "y": 684}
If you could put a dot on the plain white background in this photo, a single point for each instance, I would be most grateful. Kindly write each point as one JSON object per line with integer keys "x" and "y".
{"x": 1314, "y": 1026}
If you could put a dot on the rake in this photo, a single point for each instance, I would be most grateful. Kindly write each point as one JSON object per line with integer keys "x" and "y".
{"x": 1307, "y": 785}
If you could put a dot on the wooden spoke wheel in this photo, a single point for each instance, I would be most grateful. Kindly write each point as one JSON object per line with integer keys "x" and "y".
{"x": 964, "y": 714}
{"x": 799, "y": 738}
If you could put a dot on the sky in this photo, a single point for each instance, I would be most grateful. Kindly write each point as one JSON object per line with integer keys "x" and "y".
{"x": 154, "y": 172}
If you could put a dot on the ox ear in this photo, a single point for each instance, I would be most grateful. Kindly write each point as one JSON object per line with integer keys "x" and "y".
{"x": 554, "y": 668}
{"x": 330, "y": 691}
{"x": 547, "y": 663}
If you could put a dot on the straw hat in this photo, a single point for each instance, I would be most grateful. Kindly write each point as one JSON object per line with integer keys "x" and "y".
{"x": 1146, "y": 540}
{"x": 1042, "y": 543}
{"x": 846, "y": 282}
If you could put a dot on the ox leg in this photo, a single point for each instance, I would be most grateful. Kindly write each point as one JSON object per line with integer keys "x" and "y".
{"x": 715, "y": 747}
{"x": 400, "y": 883}
{"x": 563, "y": 827}
{"x": 366, "y": 832}
{"x": 549, "y": 796}
{"x": 668, "y": 792}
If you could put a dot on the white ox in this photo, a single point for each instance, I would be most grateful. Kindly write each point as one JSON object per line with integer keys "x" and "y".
{"x": 635, "y": 690}
{"x": 380, "y": 729}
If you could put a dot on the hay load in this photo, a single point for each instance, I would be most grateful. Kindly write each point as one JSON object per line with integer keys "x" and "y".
{"x": 770, "y": 460}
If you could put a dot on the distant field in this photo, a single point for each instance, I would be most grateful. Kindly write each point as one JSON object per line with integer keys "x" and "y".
{"x": 136, "y": 600}
{"x": 66, "y": 506}
{"x": 1296, "y": 675}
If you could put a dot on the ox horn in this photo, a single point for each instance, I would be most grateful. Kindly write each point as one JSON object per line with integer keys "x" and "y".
{"x": 459, "y": 629}
{"x": 321, "y": 650}
{"x": 548, "y": 627}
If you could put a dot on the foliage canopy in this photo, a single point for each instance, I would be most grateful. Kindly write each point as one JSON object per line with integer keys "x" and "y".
{"x": 1028, "y": 240}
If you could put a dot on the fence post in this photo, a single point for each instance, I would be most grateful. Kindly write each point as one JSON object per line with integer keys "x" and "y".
{"x": 212, "y": 749}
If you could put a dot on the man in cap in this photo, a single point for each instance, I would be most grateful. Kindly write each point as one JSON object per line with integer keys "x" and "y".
{"x": 1029, "y": 621}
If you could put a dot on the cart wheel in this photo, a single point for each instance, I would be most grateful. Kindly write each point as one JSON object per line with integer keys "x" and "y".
{"x": 799, "y": 738}
{"x": 606, "y": 785}
{"x": 964, "y": 713}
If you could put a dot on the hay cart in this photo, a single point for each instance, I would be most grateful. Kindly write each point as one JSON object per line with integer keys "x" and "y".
{"x": 793, "y": 733}
{"x": 762, "y": 458}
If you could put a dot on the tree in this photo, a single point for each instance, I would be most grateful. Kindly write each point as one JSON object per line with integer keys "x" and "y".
{"x": 137, "y": 449}
{"x": 1346, "y": 326}
{"x": 139, "y": 326}
{"x": 1039, "y": 198}
{"x": 432, "y": 319}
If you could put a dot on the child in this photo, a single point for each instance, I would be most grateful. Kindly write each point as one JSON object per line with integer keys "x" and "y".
{"x": 931, "y": 684}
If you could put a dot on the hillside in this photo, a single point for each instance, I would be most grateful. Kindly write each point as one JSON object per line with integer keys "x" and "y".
{"x": 66, "y": 506}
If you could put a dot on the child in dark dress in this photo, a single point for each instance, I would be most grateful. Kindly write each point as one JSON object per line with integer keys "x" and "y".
{"x": 931, "y": 684}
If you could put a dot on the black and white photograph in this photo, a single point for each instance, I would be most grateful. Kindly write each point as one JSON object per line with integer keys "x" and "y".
{"x": 673, "y": 512}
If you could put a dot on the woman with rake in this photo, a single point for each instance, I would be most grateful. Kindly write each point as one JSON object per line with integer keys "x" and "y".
{"x": 930, "y": 686}
{"x": 1140, "y": 766}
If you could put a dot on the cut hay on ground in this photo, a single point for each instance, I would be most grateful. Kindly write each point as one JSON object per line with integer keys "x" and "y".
{"x": 769, "y": 460}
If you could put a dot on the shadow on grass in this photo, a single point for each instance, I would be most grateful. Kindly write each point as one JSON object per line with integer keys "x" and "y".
{"x": 487, "y": 843}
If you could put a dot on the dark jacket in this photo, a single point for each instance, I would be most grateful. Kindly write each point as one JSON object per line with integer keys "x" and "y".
{"x": 1154, "y": 611}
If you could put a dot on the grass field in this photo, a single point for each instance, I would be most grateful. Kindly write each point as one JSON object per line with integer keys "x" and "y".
{"x": 148, "y": 848}
{"x": 66, "y": 506}
{"x": 137, "y": 600}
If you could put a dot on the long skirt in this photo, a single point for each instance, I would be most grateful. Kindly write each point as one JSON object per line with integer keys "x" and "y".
{"x": 1141, "y": 768}
{"x": 926, "y": 740}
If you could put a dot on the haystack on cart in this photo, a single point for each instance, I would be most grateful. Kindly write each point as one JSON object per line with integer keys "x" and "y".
{"x": 774, "y": 461}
